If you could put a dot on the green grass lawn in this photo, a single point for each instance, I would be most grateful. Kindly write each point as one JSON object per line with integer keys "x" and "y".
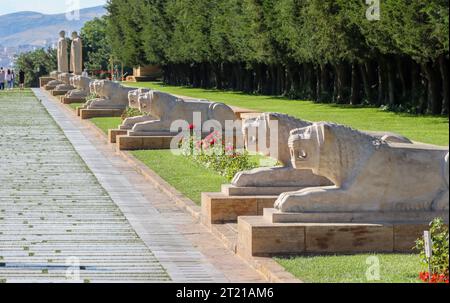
{"x": 394, "y": 268}
{"x": 187, "y": 177}
{"x": 107, "y": 123}
{"x": 428, "y": 129}
{"x": 75, "y": 105}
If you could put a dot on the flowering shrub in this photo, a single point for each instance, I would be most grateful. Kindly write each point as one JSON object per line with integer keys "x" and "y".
{"x": 91, "y": 96}
{"x": 439, "y": 261}
{"x": 131, "y": 112}
{"x": 212, "y": 153}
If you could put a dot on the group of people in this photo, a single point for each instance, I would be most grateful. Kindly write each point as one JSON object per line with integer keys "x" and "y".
{"x": 8, "y": 77}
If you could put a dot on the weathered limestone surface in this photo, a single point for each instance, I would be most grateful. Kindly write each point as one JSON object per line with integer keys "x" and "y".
{"x": 369, "y": 175}
{"x": 111, "y": 95}
{"x": 76, "y": 55}
{"x": 81, "y": 85}
{"x": 63, "y": 58}
{"x": 285, "y": 177}
{"x": 167, "y": 108}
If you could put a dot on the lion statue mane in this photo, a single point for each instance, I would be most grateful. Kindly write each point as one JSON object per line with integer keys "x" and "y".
{"x": 82, "y": 87}
{"x": 369, "y": 174}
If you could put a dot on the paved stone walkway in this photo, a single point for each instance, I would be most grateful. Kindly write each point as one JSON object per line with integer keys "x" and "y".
{"x": 57, "y": 208}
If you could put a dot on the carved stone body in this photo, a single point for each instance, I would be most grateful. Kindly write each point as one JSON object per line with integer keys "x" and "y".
{"x": 76, "y": 55}
{"x": 111, "y": 95}
{"x": 81, "y": 85}
{"x": 285, "y": 176}
{"x": 63, "y": 58}
{"x": 370, "y": 175}
{"x": 134, "y": 98}
{"x": 167, "y": 108}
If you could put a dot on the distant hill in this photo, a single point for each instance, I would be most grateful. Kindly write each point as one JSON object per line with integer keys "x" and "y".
{"x": 31, "y": 28}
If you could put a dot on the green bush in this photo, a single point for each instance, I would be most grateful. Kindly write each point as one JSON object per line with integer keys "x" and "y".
{"x": 132, "y": 112}
{"x": 212, "y": 153}
{"x": 439, "y": 236}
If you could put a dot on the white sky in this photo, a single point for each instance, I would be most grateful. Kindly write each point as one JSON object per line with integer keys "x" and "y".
{"x": 45, "y": 6}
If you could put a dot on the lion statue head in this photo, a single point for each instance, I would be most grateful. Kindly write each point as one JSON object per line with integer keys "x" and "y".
{"x": 268, "y": 129}
{"x": 133, "y": 97}
{"x": 81, "y": 82}
{"x": 330, "y": 150}
{"x": 152, "y": 102}
{"x": 65, "y": 78}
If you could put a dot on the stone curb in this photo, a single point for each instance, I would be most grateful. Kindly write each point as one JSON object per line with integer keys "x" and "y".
{"x": 267, "y": 267}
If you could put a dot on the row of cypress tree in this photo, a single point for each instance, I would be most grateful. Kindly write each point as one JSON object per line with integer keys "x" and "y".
{"x": 322, "y": 50}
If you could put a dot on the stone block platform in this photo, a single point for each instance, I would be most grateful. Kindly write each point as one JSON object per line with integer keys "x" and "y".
{"x": 65, "y": 100}
{"x": 260, "y": 236}
{"x": 126, "y": 142}
{"x": 113, "y": 133}
{"x": 58, "y": 92}
{"x": 94, "y": 113}
{"x": 43, "y": 81}
{"x": 219, "y": 208}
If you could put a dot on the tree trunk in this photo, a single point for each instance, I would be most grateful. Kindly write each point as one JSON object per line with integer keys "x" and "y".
{"x": 434, "y": 100}
{"x": 354, "y": 99}
{"x": 391, "y": 83}
{"x": 366, "y": 82}
{"x": 443, "y": 67}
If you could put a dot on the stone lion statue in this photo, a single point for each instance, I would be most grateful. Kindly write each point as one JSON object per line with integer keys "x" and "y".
{"x": 111, "y": 95}
{"x": 167, "y": 108}
{"x": 134, "y": 101}
{"x": 82, "y": 87}
{"x": 369, "y": 175}
{"x": 280, "y": 176}
{"x": 51, "y": 85}
{"x": 65, "y": 85}
{"x": 284, "y": 175}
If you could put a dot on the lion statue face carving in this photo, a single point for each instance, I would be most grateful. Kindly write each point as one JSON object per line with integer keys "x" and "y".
{"x": 81, "y": 83}
{"x": 133, "y": 98}
{"x": 369, "y": 174}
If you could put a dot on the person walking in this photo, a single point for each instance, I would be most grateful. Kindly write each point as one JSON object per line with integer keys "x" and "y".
{"x": 8, "y": 78}
{"x": 21, "y": 79}
{"x": 13, "y": 79}
{"x": 2, "y": 79}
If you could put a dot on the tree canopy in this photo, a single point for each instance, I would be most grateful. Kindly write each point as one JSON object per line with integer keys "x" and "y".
{"x": 324, "y": 50}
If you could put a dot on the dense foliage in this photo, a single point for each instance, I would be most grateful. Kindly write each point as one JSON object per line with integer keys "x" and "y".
{"x": 324, "y": 50}
{"x": 35, "y": 64}
{"x": 211, "y": 152}
{"x": 96, "y": 49}
{"x": 440, "y": 259}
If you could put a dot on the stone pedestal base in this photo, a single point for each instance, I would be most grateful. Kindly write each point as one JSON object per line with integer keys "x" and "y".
{"x": 143, "y": 143}
{"x": 65, "y": 100}
{"x": 58, "y": 92}
{"x": 257, "y": 236}
{"x": 95, "y": 113}
{"x": 44, "y": 80}
{"x": 113, "y": 133}
{"x": 219, "y": 208}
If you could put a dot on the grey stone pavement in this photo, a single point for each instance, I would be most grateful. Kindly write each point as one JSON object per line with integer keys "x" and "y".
{"x": 64, "y": 195}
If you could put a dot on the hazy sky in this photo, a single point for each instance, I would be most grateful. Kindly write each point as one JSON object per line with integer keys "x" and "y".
{"x": 45, "y": 6}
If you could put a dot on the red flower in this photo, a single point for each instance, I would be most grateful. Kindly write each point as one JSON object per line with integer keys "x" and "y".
{"x": 191, "y": 126}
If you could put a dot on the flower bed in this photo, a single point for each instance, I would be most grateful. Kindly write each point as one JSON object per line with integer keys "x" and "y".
{"x": 439, "y": 263}
{"x": 212, "y": 153}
